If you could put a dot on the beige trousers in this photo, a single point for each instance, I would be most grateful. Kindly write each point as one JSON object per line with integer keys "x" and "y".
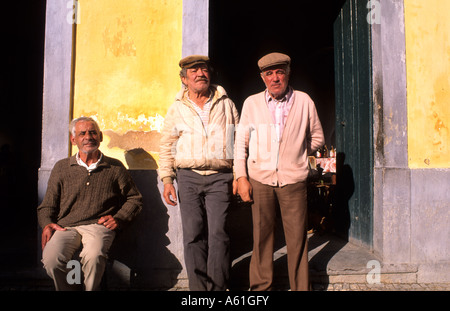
{"x": 292, "y": 201}
{"x": 96, "y": 241}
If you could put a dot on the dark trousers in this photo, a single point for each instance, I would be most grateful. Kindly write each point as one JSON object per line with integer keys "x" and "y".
{"x": 293, "y": 207}
{"x": 204, "y": 204}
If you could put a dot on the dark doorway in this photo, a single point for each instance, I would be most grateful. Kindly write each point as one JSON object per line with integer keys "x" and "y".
{"x": 241, "y": 32}
{"x": 335, "y": 72}
{"x": 22, "y": 30}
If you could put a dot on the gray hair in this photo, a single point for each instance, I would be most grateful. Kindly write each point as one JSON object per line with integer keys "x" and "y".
{"x": 288, "y": 70}
{"x": 85, "y": 119}
{"x": 183, "y": 73}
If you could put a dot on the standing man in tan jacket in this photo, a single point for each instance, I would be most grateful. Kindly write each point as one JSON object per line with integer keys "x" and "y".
{"x": 278, "y": 129}
{"x": 196, "y": 148}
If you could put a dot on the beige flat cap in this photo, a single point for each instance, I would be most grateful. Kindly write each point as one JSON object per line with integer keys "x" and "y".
{"x": 192, "y": 60}
{"x": 273, "y": 59}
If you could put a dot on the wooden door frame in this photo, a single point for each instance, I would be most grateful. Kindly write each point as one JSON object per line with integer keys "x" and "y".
{"x": 391, "y": 175}
{"x": 354, "y": 102}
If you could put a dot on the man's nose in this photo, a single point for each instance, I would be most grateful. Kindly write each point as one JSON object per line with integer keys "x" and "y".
{"x": 89, "y": 135}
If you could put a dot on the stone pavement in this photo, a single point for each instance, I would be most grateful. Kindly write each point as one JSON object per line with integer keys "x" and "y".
{"x": 335, "y": 265}
{"x": 382, "y": 287}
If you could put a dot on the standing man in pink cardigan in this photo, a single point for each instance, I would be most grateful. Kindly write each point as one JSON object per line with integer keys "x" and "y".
{"x": 279, "y": 128}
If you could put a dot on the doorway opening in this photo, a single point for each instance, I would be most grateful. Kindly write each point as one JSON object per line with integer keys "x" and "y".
{"x": 242, "y": 32}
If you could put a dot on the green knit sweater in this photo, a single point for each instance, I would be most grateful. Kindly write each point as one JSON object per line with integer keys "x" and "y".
{"x": 76, "y": 197}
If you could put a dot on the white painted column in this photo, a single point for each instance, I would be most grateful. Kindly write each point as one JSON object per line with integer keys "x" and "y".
{"x": 57, "y": 95}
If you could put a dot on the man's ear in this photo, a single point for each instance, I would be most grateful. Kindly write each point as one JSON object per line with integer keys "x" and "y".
{"x": 262, "y": 77}
{"x": 101, "y": 136}
{"x": 184, "y": 80}
{"x": 72, "y": 140}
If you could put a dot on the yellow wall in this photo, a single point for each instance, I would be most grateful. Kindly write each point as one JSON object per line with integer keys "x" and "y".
{"x": 126, "y": 73}
{"x": 427, "y": 27}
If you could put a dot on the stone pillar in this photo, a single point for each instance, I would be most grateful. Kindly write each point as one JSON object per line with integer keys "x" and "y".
{"x": 410, "y": 205}
{"x": 57, "y": 93}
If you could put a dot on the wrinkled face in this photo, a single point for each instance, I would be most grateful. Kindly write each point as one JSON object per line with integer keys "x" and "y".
{"x": 197, "y": 78}
{"x": 87, "y": 137}
{"x": 276, "y": 79}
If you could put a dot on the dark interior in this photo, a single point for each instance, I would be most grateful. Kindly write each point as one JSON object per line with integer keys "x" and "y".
{"x": 241, "y": 32}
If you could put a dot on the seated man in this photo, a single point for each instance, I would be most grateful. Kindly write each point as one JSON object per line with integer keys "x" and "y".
{"x": 89, "y": 196}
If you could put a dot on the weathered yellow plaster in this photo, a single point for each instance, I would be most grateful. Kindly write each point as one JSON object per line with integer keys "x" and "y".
{"x": 126, "y": 72}
{"x": 427, "y": 27}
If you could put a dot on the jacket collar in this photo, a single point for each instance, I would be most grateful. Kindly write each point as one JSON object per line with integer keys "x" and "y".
{"x": 217, "y": 91}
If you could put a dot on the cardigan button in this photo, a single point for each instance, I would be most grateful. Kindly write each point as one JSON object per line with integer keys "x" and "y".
{"x": 87, "y": 184}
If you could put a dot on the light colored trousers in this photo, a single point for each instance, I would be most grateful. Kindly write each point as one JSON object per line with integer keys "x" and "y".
{"x": 96, "y": 241}
{"x": 292, "y": 200}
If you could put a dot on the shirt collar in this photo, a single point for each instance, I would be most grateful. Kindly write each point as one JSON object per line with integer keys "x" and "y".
{"x": 91, "y": 167}
{"x": 285, "y": 98}
{"x": 207, "y": 103}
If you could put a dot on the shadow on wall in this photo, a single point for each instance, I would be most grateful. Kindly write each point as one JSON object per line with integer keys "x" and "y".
{"x": 240, "y": 227}
{"x": 345, "y": 188}
{"x": 141, "y": 257}
{"x": 323, "y": 246}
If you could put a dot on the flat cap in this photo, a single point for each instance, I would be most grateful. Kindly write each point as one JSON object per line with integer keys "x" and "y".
{"x": 192, "y": 60}
{"x": 273, "y": 59}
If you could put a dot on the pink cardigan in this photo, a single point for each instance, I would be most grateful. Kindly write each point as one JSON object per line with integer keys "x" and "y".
{"x": 260, "y": 156}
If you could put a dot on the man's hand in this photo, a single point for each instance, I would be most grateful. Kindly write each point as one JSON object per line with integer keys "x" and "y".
{"x": 244, "y": 188}
{"x": 47, "y": 233}
{"x": 109, "y": 222}
{"x": 170, "y": 195}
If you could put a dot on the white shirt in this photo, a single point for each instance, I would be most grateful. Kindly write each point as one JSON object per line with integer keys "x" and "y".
{"x": 279, "y": 110}
{"x": 91, "y": 167}
{"x": 203, "y": 113}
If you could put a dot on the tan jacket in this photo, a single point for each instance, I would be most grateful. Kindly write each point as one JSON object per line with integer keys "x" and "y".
{"x": 185, "y": 143}
{"x": 259, "y": 154}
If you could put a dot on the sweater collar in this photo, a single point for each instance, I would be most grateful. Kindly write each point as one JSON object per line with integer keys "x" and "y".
{"x": 101, "y": 162}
